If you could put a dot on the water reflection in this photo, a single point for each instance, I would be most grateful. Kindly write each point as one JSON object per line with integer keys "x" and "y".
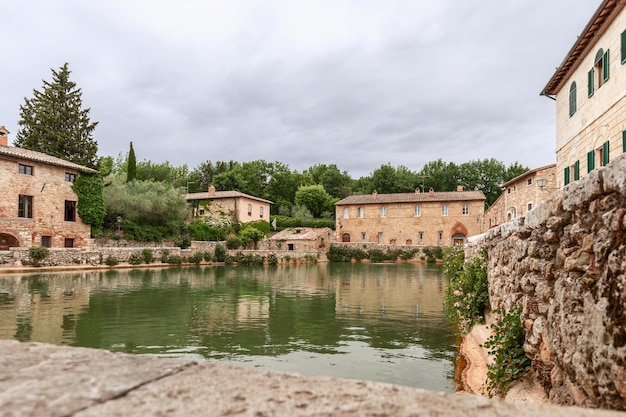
{"x": 371, "y": 321}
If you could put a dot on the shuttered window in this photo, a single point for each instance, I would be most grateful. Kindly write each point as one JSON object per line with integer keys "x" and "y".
{"x": 624, "y": 141}
{"x": 591, "y": 156}
{"x": 572, "y": 99}
{"x": 576, "y": 170}
{"x": 605, "y": 66}
{"x": 623, "y": 47}
{"x": 605, "y": 153}
{"x": 566, "y": 176}
{"x": 590, "y": 87}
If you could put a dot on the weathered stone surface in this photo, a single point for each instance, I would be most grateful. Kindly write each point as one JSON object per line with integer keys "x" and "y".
{"x": 47, "y": 380}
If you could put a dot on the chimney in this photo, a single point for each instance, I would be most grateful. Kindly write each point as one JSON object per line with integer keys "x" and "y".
{"x": 431, "y": 192}
{"x": 459, "y": 188}
{"x": 417, "y": 190}
{"x": 375, "y": 194}
{"x": 211, "y": 190}
{"x": 4, "y": 136}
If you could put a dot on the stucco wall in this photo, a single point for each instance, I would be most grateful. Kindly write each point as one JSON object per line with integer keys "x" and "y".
{"x": 564, "y": 264}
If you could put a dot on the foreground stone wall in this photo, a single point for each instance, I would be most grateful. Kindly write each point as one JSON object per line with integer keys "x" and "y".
{"x": 564, "y": 265}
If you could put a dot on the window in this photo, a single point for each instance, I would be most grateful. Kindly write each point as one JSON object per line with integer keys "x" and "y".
{"x": 360, "y": 211}
{"x": 598, "y": 157}
{"x": 362, "y": 236}
{"x": 417, "y": 211}
{"x": 444, "y": 210}
{"x": 249, "y": 209}
{"x": 591, "y": 160}
{"x": 70, "y": 177}
{"x": 566, "y": 176}
{"x": 465, "y": 209}
{"x": 261, "y": 212}
{"x": 201, "y": 211}
{"x": 69, "y": 243}
{"x": 530, "y": 181}
{"x": 346, "y": 213}
{"x": 576, "y": 170}
{"x": 380, "y": 238}
{"x": 572, "y": 99}
{"x": 25, "y": 206}
{"x": 529, "y": 206}
{"x": 421, "y": 238}
{"x": 46, "y": 241}
{"x": 623, "y": 47}
{"x": 290, "y": 246}
{"x": 600, "y": 70}
{"x": 508, "y": 191}
{"x": 26, "y": 169}
{"x": 383, "y": 211}
{"x": 604, "y": 153}
{"x": 624, "y": 141}
{"x": 70, "y": 211}
{"x": 440, "y": 237}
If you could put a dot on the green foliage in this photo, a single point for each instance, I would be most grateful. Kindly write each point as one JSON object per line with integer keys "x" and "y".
{"x": 433, "y": 253}
{"x": 315, "y": 198}
{"x": 111, "y": 261}
{"x": 234, "y": 242}
{"x": 345, "y": 254}
{"x": 261, "y": 225}
{"x": 91, "y": 209}
{"x": 467, "y": 296}
{"x": 202, "y": 231}
{"x": 174, "y": 260}
{"x": 220, "y": 253}
{"x": 38, "y": 254}
{"x": 248, "y": 259}
{"x": 453, "y": 260}
{"x": 196, "y": 258}
{"x": 54, "y": 122}
{"x": 301, "y": 212}
{"x": 335, "y": 182}
{"x": 272, "y": 259}
{"x": 145, "y": 233}
{"x": 283, "y": 222}
{"x": 250, "y": 234}
{"x": 208, "y": 257}
{"x": 507, "y": 346}
{"x": 135, "y": 259}
{"x": 408, "y": 254}
{"x": 165, "y": 254}
{"x": 147, "y": 255}
{"x": 131, "y": 166}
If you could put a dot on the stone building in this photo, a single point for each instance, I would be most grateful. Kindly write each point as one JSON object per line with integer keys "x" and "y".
{"x": 522, "y": 194}
{"x": 588, "y": 88}
{"x": 301, "y": 239}
{"x": 430, "y": 219}
{"x": 38, "y": 206}
{"x": 223, "y": 207}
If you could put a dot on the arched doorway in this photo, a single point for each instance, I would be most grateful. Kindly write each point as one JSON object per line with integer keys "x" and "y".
{"x": 345, "y": 237}
{"x": 459, "y": 233}
{"x": 392, "y": 241}
{"x": 7, "y": 241}
{"x": 409, "y": 242}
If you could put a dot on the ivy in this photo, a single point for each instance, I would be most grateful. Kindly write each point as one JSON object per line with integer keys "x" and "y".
{"x": 89, "y": 189}
{"x": 507, "y": 345}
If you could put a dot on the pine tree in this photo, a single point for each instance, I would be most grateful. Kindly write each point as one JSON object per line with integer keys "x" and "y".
{"x": 131, "y": 169}
{"x": 54, "y": 122}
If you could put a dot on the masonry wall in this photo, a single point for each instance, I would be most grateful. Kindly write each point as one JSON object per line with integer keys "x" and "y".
{"x": 49, "y": 191}
{"x": 564, "y": 265}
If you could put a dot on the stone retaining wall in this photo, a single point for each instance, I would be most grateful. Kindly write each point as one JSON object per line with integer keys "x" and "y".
{"x": 564, "y": 265}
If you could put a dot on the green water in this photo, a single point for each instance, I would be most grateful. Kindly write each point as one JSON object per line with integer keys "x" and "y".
{"x": 381, "y": 322}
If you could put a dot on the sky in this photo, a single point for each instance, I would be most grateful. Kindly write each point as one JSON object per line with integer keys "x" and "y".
{"x": 356, "y": 83}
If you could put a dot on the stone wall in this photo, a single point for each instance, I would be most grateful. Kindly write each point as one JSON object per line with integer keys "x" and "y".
{"x": 564, "y": 265}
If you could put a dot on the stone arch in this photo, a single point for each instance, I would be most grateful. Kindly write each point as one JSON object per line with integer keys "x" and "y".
{"x": 459, "y": 233}
{"x": 409, "y": 242}
{"x": 8, "y": 241}
{"x": 345, "y": 237}
{"x": 393, "y": 241}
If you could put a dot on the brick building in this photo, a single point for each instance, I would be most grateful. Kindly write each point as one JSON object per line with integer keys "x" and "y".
{"x": 37, "y": 204}
{"x": 227, "y": 206}
{"x": 522, "y": 194}
{"x": 430, "y": 219}
{"x": 588, "y": 88}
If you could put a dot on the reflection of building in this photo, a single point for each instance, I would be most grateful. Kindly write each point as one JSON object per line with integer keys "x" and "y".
{"x": 433, "y": 218}
{"x": 589, "y": 91}
{"x": 38, "y": 206}
{"x": 220, "y": 207}
{"x": 522, "y": 194}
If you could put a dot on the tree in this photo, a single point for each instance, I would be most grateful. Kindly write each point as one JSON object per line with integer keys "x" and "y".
{"x": 54, "y": 122}
{"x": 335, "y": 182}
{"x": 131, "y": 169}
{"x": 91, "y": 209}
{"x": 315, "y": 198}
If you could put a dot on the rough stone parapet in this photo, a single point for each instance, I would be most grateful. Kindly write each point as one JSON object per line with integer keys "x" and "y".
{"x": 564, "y": 265}
{"x": 46, "y": 380}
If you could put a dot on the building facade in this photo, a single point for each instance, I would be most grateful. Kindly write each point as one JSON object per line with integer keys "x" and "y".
{"x": 522, "y": 194}
{"x": 223, "y": 207}
{"x": 429, "y": 219}
{"x": 590, "y": 92}
{"x": 37, "y": 205}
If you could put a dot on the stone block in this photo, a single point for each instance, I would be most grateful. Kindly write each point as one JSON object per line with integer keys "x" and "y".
{"x": 614, "y": 175}
{"x": 581, "y": 192}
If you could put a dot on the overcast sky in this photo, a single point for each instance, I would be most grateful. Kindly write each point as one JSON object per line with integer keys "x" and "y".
{"x": 357, "y": 83}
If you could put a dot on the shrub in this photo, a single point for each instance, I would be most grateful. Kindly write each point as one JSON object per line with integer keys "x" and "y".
{"x": 345, "y": 254}
{"x": 233, "y": 242}
{"x": 174, "y": 260}
{"x": 207, "y": 256}
{"x": 199, "y": 230}
{"x": 433, "y": 253}
{"x": 272, "y": 259}
{"x": 250, "y": 234}
{"x": 111, "y": 261}
{"x": 507, "y": 345}
{"x": 165, "y": 254}
{"x": 38, "y": 254}
{"x": 220, "y": 253}
{"x": 135, "y": 259}
{"x": 147, "y": 255}
{"x": 196, "y": 258}
{"x": 408, "y": 254}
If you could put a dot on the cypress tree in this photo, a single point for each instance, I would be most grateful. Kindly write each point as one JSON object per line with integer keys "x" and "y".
{"x": 54, "y": 122}
{"x": 131, "y": 170}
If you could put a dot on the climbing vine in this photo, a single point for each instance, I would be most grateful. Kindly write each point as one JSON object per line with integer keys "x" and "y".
{"x": 89, "y": 189}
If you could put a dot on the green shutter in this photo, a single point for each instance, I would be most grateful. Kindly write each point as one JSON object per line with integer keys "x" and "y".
{"x": 590, "y": 83}
{"x": 605, "y": 66}
{"x": 605, "y": 153}
{"x": 624, "y": 141}
{"x": 623, "y": 47}
{"x": 577, "y": 171}
{"x": 591, "y": 156}
{"x": 566, "y": 176}
{"x": 572, "y": 99}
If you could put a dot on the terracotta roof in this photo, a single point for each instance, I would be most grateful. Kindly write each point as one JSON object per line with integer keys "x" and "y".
{"x": 527, "y": 173}
{"x": 301, "y": 233}
{"x": 600, "y": 21}
{"x": 29, "y": 155}
{"x": 223, "y": 194}
{"x": 412, "y": 197}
